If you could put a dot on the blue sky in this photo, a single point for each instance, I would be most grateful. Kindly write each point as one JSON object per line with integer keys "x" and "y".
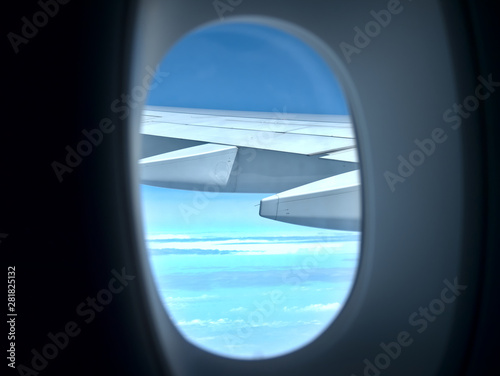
{"x": 190, "y": 212}
{"x": 239, "y": 66}
{"x": 214, "y": 257}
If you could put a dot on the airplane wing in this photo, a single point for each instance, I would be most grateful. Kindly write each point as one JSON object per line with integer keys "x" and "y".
{"x": 308, "y": 161}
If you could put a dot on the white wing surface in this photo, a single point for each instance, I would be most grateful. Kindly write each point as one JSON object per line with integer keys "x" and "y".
{"x": 309, "y": 157}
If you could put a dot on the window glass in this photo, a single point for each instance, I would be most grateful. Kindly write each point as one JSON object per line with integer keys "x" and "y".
{"x": 253, "y": 251}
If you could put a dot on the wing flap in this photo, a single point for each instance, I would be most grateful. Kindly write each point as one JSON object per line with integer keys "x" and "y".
{"x": 197, "y": 167}
{"x": 331, "y": 203}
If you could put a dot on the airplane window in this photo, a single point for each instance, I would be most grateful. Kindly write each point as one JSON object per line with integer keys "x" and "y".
{"x": 250, "y": 190}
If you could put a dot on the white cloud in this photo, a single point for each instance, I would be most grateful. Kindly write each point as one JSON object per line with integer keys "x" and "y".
{"x": 276, "y": 324}
{"x": 311, "y": 322}
{"x": 277, "y": 244}
{"x": 178, "y": 302}
{"x": 257, "y": 247}
{"x": 314, "y": 308}
{"x": 181, "y": 299}
{"x": 223, "y": 321}
{"x": 205, "y": 339}
{"x": 239, "y": 309}
{"x": 166, "y": 237}
{"x": 192, "y": 322}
